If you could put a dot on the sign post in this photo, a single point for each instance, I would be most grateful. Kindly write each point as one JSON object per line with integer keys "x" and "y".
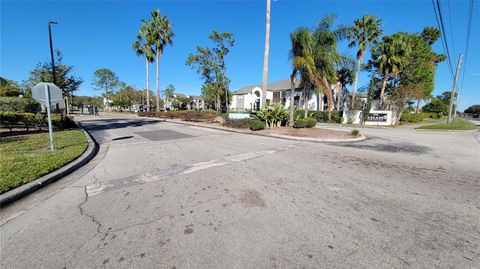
{"x": 47, "y": 94}
{"x": 48, "y": 104}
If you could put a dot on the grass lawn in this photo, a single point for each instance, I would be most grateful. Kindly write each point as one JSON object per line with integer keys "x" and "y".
{"x": 24, "y": 158}
{"x": 456, "y": 124}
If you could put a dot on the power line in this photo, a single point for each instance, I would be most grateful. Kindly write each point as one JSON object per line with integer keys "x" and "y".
{"x": 467, "y": 45}
{"x": 451, "y": 26}
{"x": 439, "y": 18}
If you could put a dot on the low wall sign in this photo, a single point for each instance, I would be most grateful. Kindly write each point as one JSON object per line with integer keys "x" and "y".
{"x": 377, "y": 117}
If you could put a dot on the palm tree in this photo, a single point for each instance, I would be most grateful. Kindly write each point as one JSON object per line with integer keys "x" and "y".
{"x": 265, "y": 56}
{"x": 143, "y": 47}
{"x": 326, "y": 56}
{"x": 364, "y": 32}
{"x": 389, "y": 57}
{"x": 303, "y": 64}
{"x": 344, "y": 77}
{"x": 161, "y": 35}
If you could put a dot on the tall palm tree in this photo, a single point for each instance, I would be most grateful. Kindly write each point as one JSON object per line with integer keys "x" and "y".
{"x": 143, "y": 47}
{"x": 364, "y": 32}
{"x": 161, "y": 33}
{"x": 326, "y": 55}
{"x": 389, "y": 57}
{"x": 303, "y": 64}
{"x": 265, "y": 56}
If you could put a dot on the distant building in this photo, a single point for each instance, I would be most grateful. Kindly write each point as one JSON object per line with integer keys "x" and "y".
{"x": 249, "y": 98}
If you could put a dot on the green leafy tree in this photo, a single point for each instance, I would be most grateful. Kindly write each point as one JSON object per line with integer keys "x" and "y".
{"x": 436, "y": 106}
{"x": 364, "y": 32}
{"x": 168, "y": 94}
{"x": 210, "y": 64}
{"x": 422, "y": 62}
{"x": 106, "y": 80}
{"x": 9, "y": 87}
{"x": 144, "y": 46}
{"x": 126, "y": 97}
{"x": 161, "y": 34}
{"x": 63, "y": 74}
{"x": 475, "y": 110}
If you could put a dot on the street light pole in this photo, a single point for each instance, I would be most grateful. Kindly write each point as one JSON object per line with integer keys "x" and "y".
{"x": 51, "y": 49}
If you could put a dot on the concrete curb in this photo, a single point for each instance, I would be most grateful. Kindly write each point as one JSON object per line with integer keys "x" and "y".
{"x": 18, "y": 193}
{"x": 285, "y": 137}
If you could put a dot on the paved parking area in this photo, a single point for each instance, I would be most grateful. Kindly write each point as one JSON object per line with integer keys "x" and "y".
{"x": 162, "y": 195}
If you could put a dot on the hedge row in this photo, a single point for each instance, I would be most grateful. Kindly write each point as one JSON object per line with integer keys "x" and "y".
{"x": 418, "y": 117}
{"x": 320, "y": 116}
{"x": 19, "y": 104}
{"x": 39, "y": 121}
{"x": 305, "y": 123}
{"x": 186, "y": 115}
{"x": 237, "y": 123}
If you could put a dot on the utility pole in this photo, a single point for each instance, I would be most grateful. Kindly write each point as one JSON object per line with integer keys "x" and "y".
{"x": 51, "y": 49}
{"x": 452, "y": 94}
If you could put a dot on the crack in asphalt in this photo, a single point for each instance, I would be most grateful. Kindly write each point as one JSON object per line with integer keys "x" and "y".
{"x": 83, "y": 213}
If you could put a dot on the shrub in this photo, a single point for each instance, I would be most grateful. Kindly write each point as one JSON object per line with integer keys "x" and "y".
{"x": 273, "y": 115}
{"x": 186, "y": 115}
{"x": 436, "y": 106}
{"x": 300, "y": 123}
{"x": 320, "y": 116}
{"x": 256, "y": 125}
{"x": 27, "y": 120}
{"x": 355, "y": 132}
{"x": 237, "y": 123}
{"x": 411, "y": 117}
{"x": 19, "y": 104}
{"x": 311, "y": 122}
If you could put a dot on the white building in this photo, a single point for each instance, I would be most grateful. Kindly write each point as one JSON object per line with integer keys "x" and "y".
{"x": 250, "y": 97}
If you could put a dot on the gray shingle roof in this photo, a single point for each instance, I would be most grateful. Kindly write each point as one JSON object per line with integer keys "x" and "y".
{"x": 275, "y": 86}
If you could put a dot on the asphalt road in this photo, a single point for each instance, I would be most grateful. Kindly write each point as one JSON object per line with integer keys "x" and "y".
{"x": 163, "y": 195}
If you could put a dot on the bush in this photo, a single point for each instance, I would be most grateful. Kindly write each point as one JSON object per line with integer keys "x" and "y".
{"x": 436, "y": 106}
{"x": 311, "y": 122}
{"x": 320, "y": 116}
{"x": 273, "y": 115}
{"x": 19, "y": 104}
{"x": 28, "y": 120}
{"x": 414, "y": 117}
{"x": 256, "y": 125}
{"x": 355, "y": 132}
{"x": 186, "y": 115}
{"x": 300, "y": 123}
{"x": 237, "y": 123}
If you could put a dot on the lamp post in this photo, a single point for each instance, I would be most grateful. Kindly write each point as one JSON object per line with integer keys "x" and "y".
{"x": 51, "y": 49}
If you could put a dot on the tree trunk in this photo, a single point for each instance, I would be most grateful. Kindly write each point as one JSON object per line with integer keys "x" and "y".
{"x": 292, "y": 99}
{"x": 382, "y": 91}
{"x": 226, "y": 98}
{"x": 265, "y": 57}
{"x": 157, "y": 80}
{"x": 418, "y": 105}
{"x": 329, "y": 95}
{"x": 339, "y": 96}
{"x": 148, "y": 94}
{"x": 217, "y": 103}
{"x": 359, "y": 61}
{"x": 305, "y": 102}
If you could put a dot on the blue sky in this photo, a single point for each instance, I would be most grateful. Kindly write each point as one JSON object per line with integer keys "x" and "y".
{"x": 99, "y": 34}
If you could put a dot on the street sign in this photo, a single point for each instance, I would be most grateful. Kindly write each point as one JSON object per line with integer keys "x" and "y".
{"x": 48, "y": 94}
{"x": 38, "y": 93}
